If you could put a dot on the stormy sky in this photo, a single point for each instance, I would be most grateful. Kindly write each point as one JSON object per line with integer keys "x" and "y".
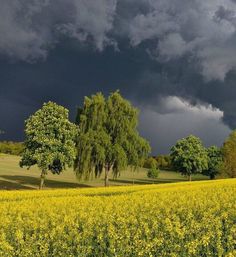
{"x": 174, "y": 59}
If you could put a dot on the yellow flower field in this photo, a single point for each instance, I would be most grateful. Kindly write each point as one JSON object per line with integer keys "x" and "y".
{"x": 183, "y": 219}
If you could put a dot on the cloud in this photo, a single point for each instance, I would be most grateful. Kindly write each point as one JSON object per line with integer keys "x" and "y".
{"x": 91, "y": 19}
{"x": 174, "y": 104}
{"x": 173, "y": 54}
{"x": 202, "y": 30}
{"x": 165, "y": 129}
{"x": 30, "y": 28}
{"x": 17, "y": 37}
{"x": 205, "y": 31}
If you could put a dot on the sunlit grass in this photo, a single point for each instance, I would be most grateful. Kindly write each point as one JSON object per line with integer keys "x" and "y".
{"x": 14, "y": 177}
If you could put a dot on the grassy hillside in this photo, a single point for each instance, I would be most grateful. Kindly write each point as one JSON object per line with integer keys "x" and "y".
{"x": 14, "y": 177}
{"x": 177, "y": 219}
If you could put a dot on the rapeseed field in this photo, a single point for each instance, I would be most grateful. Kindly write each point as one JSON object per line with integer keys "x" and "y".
{"x": 182, "y": 219}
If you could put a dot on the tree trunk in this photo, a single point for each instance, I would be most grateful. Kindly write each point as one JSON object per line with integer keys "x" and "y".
{"x": 190, "y": 177}
{"x": 106, "y": 176}
{"x": 42, "y": 178}
{"x": 212, "y": 176}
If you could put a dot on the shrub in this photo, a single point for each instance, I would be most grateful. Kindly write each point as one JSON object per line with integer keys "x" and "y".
{"x": 153, "y": 173}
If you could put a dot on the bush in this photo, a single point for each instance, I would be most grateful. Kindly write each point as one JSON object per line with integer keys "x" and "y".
{"x": 153, "y": 173}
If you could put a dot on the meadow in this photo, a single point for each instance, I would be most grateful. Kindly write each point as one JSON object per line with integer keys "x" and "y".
{"x": 177, "y": 219}
{"x": 13, "y": 177}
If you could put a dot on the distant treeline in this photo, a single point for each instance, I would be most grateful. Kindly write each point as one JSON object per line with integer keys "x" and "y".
{"x": 162, "y": 162}
{"x": 9, "y": 147}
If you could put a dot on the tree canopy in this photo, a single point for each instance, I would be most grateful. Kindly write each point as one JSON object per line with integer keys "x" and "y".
{"x": 229, "y": 155}
{"x": 108, "y": 139}
{"x": 49, "y": 142}
{"x": 189, "y": 156}
{"x": 150, "y": 163}
{"x": 215, "y": 160}
{"x": 164, "y": 162}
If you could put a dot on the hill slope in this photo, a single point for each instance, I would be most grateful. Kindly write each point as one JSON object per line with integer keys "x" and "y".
{"x": 13, "y": 177}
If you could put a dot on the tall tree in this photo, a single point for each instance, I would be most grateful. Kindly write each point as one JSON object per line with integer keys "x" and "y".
{"x": 108, "y": 139}
{"x": 229, "y": 155}
{"x": 189, "y": 156}
{"x": 50, "y": 140}
{"x": 215, "y": 160}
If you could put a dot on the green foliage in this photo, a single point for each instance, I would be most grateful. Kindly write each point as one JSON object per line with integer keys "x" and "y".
{"x": 108, "y": 137}
{"x": 189, "y": 156}
{"x": 215, "y": 160}
{"x": 164, "y": 162}
{"x": 153, "y": 173}
{"x": 49, "y": 140}
{"x": 229, "y": 156}
{"x": 150, "y": 163}
{"x": 9, "y": 147}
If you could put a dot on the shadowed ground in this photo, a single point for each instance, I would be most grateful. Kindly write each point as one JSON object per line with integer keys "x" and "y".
{"x": 14, "y": 177}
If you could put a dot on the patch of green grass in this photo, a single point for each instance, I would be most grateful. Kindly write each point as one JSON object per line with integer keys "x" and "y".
{"x": 14, "y": 177}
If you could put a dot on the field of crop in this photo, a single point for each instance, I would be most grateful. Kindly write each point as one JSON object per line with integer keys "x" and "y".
{"x": 183, "y": 219}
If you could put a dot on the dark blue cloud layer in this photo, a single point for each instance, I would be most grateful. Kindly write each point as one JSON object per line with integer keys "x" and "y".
{"x": 62, "y": 50}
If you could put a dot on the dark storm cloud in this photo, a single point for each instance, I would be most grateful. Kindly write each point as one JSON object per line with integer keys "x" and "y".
{"x": 150, "y": 49}
{"x": 32, "y": 27}
{"x": 203, "y": 30}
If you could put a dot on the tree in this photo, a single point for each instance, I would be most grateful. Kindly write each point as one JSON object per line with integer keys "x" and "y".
{"x": 163, "y": 162}
{"x": 229, "y": 155}
{"x": 215, "y": 160}
{"x": 108, "y": 139}
{"x": 150, "y": 163}
{"x": 49, "y": 142}
{"x": 189, "y": 156}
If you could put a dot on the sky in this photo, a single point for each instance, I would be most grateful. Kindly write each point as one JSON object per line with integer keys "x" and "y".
{"x": 175, "y": 60}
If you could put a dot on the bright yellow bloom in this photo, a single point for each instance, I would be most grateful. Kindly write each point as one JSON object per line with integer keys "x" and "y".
{"x": 182, "y": 219}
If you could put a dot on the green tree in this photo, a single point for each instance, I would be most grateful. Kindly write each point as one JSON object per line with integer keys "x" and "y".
{"x": 215, "y": 160}
{"x": 189, "y": 156}
{"x": 108, "y": 139}
{"x": 163, "y": 162}
{"x": 150, "y": 163}
{"x": 49, "y": 140}
{"x": 229, "y": 155}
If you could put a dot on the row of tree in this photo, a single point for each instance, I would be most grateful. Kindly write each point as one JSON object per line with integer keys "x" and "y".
{"x": 9, "y": 147}
{"x": 188, "y": 156}
{"x": 103, "y": 138}
{"x": 162, "y": 162}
